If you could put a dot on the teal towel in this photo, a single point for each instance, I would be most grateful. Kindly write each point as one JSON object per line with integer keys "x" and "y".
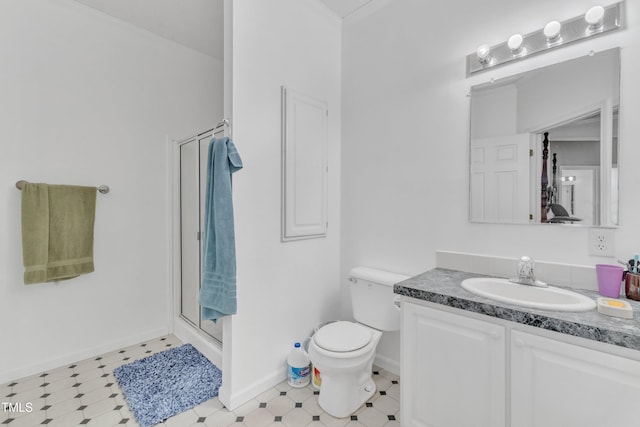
{"x": 218, "y": 290}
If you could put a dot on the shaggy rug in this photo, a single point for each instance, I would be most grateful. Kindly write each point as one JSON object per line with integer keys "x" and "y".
{"x": 168, "y": 383}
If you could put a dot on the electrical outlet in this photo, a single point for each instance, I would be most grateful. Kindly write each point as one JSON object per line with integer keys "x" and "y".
{"x": 601, "y": 242}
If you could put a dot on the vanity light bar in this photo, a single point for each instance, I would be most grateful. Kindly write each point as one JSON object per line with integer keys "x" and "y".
{"x": 598, "y": 20}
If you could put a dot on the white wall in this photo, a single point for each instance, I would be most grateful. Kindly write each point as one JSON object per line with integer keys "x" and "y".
{"x": 405, "y": 134}
{"x": 494, "y": 112}
{"x": 546, "y": 104}
{"x": 86, "y": 99}
{"x": 284, "y": 289}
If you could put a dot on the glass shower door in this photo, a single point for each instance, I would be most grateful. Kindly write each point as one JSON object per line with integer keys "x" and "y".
{"x": 193, "y": 178}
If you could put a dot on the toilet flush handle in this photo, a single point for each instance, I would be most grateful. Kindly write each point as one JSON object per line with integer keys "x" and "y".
{"x": 396, "y": 301}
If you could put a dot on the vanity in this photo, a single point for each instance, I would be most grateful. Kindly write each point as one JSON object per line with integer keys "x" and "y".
{"x": 472, "y": 361}
{"x": 543, "y": 152}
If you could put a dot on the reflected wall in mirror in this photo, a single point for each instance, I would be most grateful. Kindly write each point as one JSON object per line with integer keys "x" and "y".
{"x": 544, "y": 145}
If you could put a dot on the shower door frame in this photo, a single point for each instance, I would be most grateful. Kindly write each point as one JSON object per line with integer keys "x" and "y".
{"x": 202, "y": 141}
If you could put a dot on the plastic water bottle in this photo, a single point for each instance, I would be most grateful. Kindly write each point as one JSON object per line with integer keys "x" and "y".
{"x": 298, "y": 373}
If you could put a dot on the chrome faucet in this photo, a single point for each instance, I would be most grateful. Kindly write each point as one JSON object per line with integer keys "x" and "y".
{"x": 526, "y": 275}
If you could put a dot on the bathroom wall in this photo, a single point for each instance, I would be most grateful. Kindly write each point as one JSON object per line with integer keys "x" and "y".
{"x": 406, "y": 133}
{"x": 86, "y": 99}
{"x": 591, "y": 85}
{"x": 284, "y": 289}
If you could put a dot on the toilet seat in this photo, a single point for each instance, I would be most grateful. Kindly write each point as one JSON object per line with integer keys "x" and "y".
{"x": 342, "y": 337}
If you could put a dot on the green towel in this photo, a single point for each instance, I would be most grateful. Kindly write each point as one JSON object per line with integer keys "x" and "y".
{"x": 57, "y": 231}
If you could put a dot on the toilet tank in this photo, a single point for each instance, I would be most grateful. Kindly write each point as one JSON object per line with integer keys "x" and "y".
{"x": 372, "y": 297}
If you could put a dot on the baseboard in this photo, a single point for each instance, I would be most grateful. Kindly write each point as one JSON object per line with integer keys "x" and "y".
{"x": 243, "y": 396}
{"x": 387, "y": 364}
{"x": 188, "y": 334}
{"x": 25, "y": 371}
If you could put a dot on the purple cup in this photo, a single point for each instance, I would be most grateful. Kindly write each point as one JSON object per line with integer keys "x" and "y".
{"x": 609, "y": 280}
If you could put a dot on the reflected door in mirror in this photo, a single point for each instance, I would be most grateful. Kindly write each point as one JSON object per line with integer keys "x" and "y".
{"x": 500, "y": 179}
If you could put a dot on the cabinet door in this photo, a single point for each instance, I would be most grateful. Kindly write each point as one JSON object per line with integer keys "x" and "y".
{"x": 558, "y": 384}
{"x": 453, "y": 370}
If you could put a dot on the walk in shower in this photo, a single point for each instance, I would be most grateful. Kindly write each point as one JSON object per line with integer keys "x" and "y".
{"x": 193, "y": 176}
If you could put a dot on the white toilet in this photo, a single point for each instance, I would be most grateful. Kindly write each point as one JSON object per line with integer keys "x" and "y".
{"x": 344, "y": 351}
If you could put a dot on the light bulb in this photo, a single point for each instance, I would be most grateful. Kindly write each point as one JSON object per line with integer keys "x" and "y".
{"x": 594, "y": 17}
{"x": 552, "y": 31}
{"x": 515, "y": 43}
{"x": 483, "y": 52}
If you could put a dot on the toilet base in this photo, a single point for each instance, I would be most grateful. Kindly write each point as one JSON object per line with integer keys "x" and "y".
{"x": 341, "y": 396}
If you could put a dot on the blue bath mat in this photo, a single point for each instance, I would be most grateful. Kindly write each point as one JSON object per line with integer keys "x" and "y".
{"x": 168, "y": 383}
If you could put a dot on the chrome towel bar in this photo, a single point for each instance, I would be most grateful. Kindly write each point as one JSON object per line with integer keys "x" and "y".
{"x": 103, "y": 189}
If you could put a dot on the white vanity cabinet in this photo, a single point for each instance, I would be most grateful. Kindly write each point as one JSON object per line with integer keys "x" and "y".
{"x": 459, "y": 370}
{"x": 453, "y": 370}
{"x": 558, "y": 384}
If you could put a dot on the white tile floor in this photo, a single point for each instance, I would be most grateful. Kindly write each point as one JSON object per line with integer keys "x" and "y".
{"x": 86, "y": 393}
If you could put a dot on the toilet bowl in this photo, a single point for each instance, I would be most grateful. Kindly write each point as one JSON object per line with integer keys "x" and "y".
{"x": 344, "y": 351}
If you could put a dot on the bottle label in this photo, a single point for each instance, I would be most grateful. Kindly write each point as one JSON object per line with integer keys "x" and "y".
{"x": 299, "y": 376}
{"x": 317, "y": 380}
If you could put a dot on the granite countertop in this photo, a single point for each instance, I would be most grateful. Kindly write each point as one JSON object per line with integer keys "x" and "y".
{"x": 442, "y": 286}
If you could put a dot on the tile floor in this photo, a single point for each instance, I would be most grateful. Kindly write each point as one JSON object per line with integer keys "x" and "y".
{"x": 86, "y": 393}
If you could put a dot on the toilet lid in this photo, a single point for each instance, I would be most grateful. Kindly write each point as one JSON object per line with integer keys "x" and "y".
{"x": 342, "y": 336}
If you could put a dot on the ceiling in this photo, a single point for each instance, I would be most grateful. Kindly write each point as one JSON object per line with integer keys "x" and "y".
{"x": 193, "y": 23}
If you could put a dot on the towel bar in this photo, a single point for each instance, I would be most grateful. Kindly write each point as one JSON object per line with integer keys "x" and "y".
{"x": 220, "y": 127}
{"x": 103, "y": 189}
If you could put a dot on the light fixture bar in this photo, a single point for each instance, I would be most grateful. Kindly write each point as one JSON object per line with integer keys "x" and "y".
{"x": 571, "y": 30}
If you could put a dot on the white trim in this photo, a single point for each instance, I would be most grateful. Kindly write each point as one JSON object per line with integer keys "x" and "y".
{"x": 387, "y": 364}
{"x": 243, "y": 396}
{"x": 293, "y": 150}
{"x": 568, "y": 117}
{"x": 227, "y": 359}
{"x": 10, "y": 375}
{"x": 188, "y": 334}
{"x": 606, "y": 163}
{"x": 171, "y": 230}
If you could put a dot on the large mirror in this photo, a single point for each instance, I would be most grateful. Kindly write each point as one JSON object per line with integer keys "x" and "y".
{"x": 544, "y": 145}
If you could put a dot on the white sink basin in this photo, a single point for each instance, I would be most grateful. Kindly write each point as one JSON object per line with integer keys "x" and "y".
{"x": 549, "y": 298}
